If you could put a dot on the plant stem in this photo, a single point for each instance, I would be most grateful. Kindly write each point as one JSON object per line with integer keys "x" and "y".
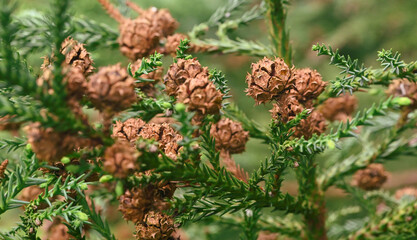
{"x": 314, "y": 203}
{"x": 277, "y": 15}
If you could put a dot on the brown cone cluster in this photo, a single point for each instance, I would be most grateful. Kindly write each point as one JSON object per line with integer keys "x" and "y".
{"x": 268, "y": 79}
{"x": 287, "y": 108}
{"x": 229, "y": 135}
{"x": 50, "y": 145}
{"x": 404, "y": 88}
{"x": 182, "y": 70}
{"x": 370, "y": 178}
{"x": 136, "y": 202}
{"x": 407, "y": 191}
{"x": 76, "y": 67}
{"x": 292, "y": 91}
{"x": 201, "y": 96}
{"x": 120, "y": 159}
{"x": 155, "y": 226}
{"x": 111, "y": 89}
{"x": 77, "y": 56}
{"x": 141, "y": 36}
{"x": 133, "y": 129}
{"x": 339, "y": 108}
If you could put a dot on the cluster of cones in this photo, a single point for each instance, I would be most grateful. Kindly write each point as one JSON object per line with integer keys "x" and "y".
{"x": 154, "y": 30}
{"x": 293, "y": 90}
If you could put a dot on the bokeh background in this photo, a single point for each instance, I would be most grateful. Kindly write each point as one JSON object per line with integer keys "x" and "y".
{"x": 358, "y": 28}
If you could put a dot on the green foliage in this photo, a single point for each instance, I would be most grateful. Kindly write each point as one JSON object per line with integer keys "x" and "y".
{"x": 208, "y": 191}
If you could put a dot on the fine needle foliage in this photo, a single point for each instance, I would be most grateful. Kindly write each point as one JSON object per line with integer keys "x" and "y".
{"x": 157, "y": 146}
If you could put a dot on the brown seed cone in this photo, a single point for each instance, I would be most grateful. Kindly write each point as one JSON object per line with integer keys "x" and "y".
{"x": 77, "y": 56}
{"x": 3, "y": 167}
{"x": 76, "y": 83}
{"x": 50, "y": 145}
{"x": 340, "y": 108}
{"x": 6, "y": 124}
{"x": 264, "y": 235}
{"x": 201, "y": 96}
{"x": 161, "y": 19}
{"x": 162, "y": 118}
{"x": 165, "y": 135}
{"x": 308, "y": 84}
{"x": 135, "y": 203}
{"x": 30, "y": 193}
{"x": 407, "y": 191}
{"x": 179, "y": 72}
{"x": 120, "y": 160}
{"x": 173, "y": 41}
{"x": 128, "y": 130}
{"x": 286, "y": 108}
{"x": 404, "y": 88}
{"x": 268, "y": 79}
{"x": 370, "y": 178}
{"x": 229, "y": 135}
{"x": 57, "y": 231}
{"x": 315, "y": 123}
{"x": 138, "y": 38}
{"x": 111, "y": 89}
{"x": 155, "y": 226}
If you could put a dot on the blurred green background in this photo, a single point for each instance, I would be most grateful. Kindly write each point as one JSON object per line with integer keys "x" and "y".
{"x": 358, "y": 28}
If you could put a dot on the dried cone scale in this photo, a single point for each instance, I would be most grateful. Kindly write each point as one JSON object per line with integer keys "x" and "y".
{"x": 77, "y": 56}
{"x": 229, "y": 136}
{"x": 111, "y": 89}
{"x": 128, "y": 130}
{"x": 156, "y": 226}
{"x": 268, "y": 79}
{"x": 182, "y": 70}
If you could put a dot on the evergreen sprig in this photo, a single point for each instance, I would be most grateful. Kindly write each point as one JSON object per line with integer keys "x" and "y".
{"x": 355, "y": 74}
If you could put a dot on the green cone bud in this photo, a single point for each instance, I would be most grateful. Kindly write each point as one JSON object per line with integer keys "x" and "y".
{"x": 180, "y": 107}
{"x": 119, "y": 189}
{"x": 65, "y": 160}
{"x": 82, "y": 216}
{"x": 106, "y": 178}
{"x": 402, "y": 101}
